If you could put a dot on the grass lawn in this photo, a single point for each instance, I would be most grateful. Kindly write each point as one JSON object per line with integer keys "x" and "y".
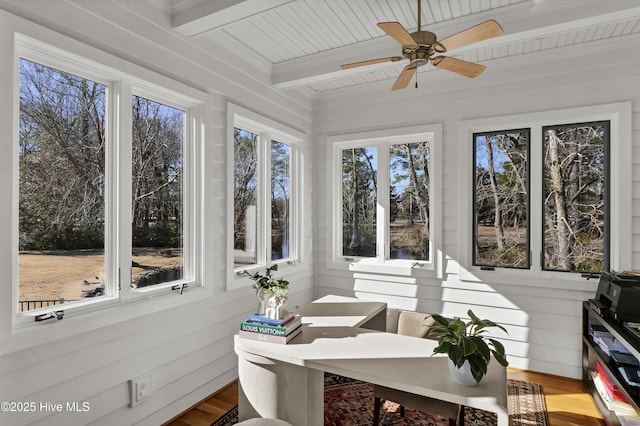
{"x": 60, "y": 274}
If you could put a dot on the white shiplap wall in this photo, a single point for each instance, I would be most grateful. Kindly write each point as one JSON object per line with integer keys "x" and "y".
{"x": 544, "y": 323}
{"x": 187, "y": 350}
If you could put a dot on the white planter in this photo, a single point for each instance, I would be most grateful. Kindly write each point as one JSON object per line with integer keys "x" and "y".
{"x": 263, "y": 295}
{"x": 276, "y": 304}
{"x": 462, "y": 375}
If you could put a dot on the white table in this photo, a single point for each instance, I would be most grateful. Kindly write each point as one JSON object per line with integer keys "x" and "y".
{"x": 344, "y": 311}
{"x": 287, "y": 381}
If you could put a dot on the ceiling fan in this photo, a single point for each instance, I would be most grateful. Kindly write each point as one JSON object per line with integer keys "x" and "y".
{"x": 422, "y": 47}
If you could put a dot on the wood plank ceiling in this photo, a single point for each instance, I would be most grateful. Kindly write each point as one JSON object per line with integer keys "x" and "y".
{"x": 301, "y": 43}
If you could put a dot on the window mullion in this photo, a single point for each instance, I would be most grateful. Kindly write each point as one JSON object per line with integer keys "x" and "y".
{"x": 536, "y": 209}
{"x": 295, "y": 227}
{"x": 336, "y": 211}
{"x": 122, "y": 180}
{"x": 190, "y": 189}
{"x": 264, "y": 183}
{"x": 382, "y": 213}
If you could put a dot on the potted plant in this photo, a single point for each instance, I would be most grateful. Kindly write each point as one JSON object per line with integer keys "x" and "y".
{"x": 468, "y": 348}
{"x": 272, "y": 293}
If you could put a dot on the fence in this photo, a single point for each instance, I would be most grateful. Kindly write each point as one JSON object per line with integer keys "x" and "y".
{"x": 37, "y": 304}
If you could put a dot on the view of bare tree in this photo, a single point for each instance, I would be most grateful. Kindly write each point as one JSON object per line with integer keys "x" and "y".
{"x": 574, "y": 197}
{"x": 409, "y": 198}
{"x": 62, "y": 169}
{"x": 501, "y": 196}
{"x": 574, "y": 172}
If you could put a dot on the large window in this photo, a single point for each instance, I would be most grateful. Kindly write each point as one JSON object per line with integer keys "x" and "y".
{"x": 157, "y": 192}
{"x": 359, "y": 201}
{"x": 501, "y": 190}
{"x": 106, "y": 184}
{"x": 409, "y": 196}
{"x": 245, "y": 197}
{"x": 574, "y": 199}
{"x": 384, "y": 198}
{"x": 62, "y": 148}
{"x": 281, "y": 218}
{"x": 265, "y": 200}
{"x": 544, "y": 198}
{"x": 576, "y": 187}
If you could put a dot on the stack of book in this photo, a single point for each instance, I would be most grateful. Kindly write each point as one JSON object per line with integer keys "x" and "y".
{"x": 605, "y": 340}
{"x": 611, "y": 395}
{"x": 264, "y": 329}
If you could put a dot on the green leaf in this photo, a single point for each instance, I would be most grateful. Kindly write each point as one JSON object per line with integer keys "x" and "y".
{"x": 456, "y": 354}
{"x": 439, "y": 330}
{"x": 483, "y": 348}
{"x": 501, "y": 359}
{"x": 497, "y": 346}
{"x": 478, "y": 368}
{"x": 442, "y": 348}
{"x": 440, "y": 320}
{"x": 469, "y": 346}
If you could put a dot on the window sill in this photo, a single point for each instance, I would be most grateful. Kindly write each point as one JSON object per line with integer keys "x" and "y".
{"x": 87, "y": 317}
{"x": 527, "y": 278}
{"x": 241, "y": 276}
{"x": 390, "y": 267}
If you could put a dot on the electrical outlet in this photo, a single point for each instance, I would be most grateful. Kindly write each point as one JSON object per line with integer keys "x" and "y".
{"x": 139, "y": 389}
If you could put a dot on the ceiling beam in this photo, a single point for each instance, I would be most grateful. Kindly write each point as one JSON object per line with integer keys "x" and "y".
{"x": 210, "y": 15}
{"x": 520, "y": 22}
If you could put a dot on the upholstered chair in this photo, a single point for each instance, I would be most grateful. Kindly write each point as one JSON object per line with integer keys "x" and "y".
{"x": 419, "y": 325}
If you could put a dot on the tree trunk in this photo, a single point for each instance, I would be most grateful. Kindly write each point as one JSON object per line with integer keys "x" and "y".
{"x": 418, "y": 194}
{"x": 356, "y": 238}
{"x": 497, "y": 220}
{"x": 556, "y": 187}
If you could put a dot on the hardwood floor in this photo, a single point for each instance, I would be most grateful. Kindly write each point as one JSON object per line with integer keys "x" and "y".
{"x": 209, "y": 410}
{"x": 568, "y": 403}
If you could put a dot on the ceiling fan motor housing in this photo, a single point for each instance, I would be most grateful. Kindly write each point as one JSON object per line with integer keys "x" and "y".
{"x": 420, "y": 53}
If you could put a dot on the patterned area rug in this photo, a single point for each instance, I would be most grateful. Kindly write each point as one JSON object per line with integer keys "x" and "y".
{"x": 349, "y": 402}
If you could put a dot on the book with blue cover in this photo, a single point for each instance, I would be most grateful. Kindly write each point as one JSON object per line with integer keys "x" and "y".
{"x": 266, "y": 320}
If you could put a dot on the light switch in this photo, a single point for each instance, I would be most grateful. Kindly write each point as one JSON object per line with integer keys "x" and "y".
{"x": 139, "y": 389}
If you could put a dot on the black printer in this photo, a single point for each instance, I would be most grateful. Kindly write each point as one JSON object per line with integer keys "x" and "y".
{"x": 618, "y": 297}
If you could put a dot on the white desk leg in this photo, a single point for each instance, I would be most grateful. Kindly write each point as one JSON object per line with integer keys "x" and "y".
{"x": 503, "y": 417}
{"x": 272, "y": 389}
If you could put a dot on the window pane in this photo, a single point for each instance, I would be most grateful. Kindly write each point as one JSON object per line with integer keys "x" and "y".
{"x": 61, "y": 187}
{"x": 409, "y": 201}
{"x": 245, "y": 197}
{"x": 280, "y": 200}
{"x": 501, "y": 222}
{"x": 157, "y": 196}
{"x": 575, "y": 189}
{"x": 359, "y": 201}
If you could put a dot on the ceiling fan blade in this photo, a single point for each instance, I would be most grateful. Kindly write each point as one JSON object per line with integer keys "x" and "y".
{"x": 405, "y": 77}
{"x": 370, "y": 62}
{"x": 483, "y": 31}
{"x": 467, "y": 69}
{"x": 398, "y": 33}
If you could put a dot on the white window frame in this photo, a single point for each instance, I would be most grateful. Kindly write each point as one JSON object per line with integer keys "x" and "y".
{"x": 122, "y": 80}
{"x": 382, "y": 139}
{"x": 619, "y": 116}
{"x": 268, "y": 130}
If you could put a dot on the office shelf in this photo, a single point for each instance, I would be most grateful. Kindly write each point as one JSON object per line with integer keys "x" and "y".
{"x": 593, "y": 354}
